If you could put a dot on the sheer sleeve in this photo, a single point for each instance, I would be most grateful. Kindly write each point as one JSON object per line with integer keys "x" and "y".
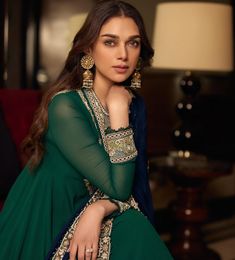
{"x": 74, "y": 136}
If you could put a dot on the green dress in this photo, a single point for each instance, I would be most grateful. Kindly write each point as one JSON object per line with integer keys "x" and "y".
{"x": 83, "y": 162}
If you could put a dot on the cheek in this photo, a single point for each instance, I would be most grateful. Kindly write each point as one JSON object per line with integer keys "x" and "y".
{"x": 135, "y": 55}
{"x": 135, "y": 59}
{"x": 103, "y": 57}
{"x": 102, "y": 63}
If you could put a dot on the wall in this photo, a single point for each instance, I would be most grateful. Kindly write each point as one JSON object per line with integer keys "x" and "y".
{"x": 54, "y": 33}
{"x": 147, "y": 10}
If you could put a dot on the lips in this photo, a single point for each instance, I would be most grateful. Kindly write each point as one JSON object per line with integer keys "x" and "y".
{"x": 121, "y": 68}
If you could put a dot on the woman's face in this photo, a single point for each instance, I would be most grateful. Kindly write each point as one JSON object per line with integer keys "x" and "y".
{"x": 116, "y": 50}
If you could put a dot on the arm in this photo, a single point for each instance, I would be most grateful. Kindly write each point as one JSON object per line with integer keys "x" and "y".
{"x": 71, "y": 131}
{"x": 88, "y": 229}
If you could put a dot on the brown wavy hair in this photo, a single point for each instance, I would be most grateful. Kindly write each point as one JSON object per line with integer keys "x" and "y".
{"x": 71, "y": 75}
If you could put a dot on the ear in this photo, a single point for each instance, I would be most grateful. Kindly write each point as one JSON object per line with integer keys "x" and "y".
{"x": 88, "y": 51}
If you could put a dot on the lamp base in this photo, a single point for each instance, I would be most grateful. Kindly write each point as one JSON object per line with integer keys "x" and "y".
{"x": 184, "y": 135}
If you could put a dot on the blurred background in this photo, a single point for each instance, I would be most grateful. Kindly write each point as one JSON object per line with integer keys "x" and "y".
{"x": 190, "y": 96}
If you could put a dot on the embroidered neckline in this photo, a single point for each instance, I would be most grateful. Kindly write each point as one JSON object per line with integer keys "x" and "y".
{"x": 100, "y": 104}
{"x": 99, "y": 115}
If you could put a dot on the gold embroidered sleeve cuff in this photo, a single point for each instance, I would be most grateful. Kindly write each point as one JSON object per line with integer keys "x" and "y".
{"x": 123, "y": 206}
{"x": 121, "y": 146}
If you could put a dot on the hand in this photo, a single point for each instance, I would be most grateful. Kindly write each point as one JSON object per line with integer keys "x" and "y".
{"x": 118, "y": 96}
{"x": 118, "y": 101}
{"x": 86, "y": 235}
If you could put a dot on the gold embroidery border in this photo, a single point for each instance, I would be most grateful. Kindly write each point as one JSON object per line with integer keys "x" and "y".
{"x": 115, "y": 139}
{"x": 100, "y": 105}
{"x": 104, "y": 240}
{"x": 120, "y": 134}
{"x": 99, "y": 115}
{"x": 79, "y": 91}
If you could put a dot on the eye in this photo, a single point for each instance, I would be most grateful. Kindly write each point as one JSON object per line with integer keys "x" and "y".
{"x": 134, "y": 43}
{"x": 110, "y": 43}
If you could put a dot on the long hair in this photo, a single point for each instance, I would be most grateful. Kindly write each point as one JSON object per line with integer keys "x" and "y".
{"x": 71, "y": 75}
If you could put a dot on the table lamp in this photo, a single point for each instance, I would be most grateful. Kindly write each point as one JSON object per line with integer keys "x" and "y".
{"x": 192, "y": 37}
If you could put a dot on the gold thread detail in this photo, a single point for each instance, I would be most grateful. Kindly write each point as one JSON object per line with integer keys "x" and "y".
{"x": 104, "y": 240}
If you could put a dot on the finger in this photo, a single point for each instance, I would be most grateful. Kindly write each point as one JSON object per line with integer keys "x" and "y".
{"x": 73, "y": 251}
{"x": 88, "y": 252}
{"x": 95, "y": 252}
{"x": 70, "y": 246}
{"x": 81, "y": 252}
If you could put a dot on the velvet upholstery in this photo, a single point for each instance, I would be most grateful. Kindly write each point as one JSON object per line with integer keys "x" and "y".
{"x": 17, "y": 107}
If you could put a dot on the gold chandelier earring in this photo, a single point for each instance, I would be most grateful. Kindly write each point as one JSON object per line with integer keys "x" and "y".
{"x": 136, "y": 78}
{"x": 87, "y": 62}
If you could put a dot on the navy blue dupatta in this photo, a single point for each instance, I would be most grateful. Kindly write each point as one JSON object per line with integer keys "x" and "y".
{"x": 141, "y": 189}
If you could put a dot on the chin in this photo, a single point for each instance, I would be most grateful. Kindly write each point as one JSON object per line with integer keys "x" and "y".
{"x": 120, "y": 79}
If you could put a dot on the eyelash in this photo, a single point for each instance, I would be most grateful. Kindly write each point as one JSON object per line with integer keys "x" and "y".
{"x": 110, "y": 43}
{"x": 132, "y": 43}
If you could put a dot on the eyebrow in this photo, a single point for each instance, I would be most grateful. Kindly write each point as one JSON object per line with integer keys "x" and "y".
{"x": 116, "y": 37}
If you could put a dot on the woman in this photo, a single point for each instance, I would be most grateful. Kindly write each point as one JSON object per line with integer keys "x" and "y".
{"x": 84, "y": 176}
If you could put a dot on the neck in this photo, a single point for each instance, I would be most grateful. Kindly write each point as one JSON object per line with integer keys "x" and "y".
{"x": 101, "y": 89}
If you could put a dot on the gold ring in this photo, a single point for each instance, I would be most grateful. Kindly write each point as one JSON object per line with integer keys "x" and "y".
{"x": 89, "y": 250}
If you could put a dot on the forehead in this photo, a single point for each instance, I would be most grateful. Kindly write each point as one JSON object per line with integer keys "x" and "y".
{"x": 120, "y": 25}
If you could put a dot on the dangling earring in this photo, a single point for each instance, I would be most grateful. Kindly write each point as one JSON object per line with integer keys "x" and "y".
{"x": 87, "y": 63}
{"x": 136, "y": 79}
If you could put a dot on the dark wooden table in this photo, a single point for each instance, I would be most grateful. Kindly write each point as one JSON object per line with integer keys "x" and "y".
{"x": 190, "y": 175}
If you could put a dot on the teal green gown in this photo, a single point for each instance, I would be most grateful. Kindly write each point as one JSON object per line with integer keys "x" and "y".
{"x": 84, "y": 161}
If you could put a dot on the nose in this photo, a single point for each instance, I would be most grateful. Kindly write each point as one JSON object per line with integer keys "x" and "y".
{"x": 122, "y": 52}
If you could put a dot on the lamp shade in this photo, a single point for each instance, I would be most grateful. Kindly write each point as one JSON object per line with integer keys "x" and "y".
{"x": 193, "y": 36}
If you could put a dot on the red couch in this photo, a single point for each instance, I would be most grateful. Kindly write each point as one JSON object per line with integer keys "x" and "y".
{"x": 18, "y": 107}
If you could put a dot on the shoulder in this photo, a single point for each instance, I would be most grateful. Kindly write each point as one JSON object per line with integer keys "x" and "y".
{"x": 61, "y": 99}
{"x": 64, "y": 102}
{"x": 64, "y": 92}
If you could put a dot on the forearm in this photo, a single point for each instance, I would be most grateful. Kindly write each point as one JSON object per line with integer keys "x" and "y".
{"x": 119, "y": 117}
{"x": 103, "y": 208}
